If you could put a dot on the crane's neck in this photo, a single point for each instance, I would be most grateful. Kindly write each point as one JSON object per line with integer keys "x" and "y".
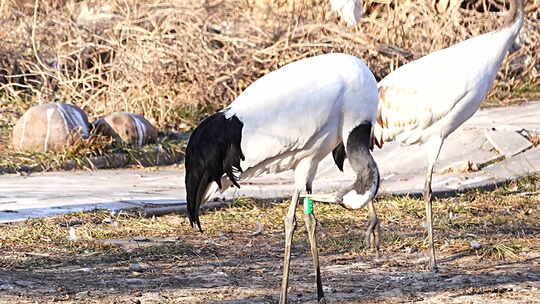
{"x": 505, "y": 37}
{"x": 366, "y": 184}
{"x": 492, "y": 46}
{"x": 515, "y": 16}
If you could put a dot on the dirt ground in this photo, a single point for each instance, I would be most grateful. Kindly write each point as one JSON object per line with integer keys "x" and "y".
{"x": 250, "y": 272}
{"x": 488, "y": 245}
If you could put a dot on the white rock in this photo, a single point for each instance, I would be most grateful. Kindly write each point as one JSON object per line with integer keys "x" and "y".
{"x": 508, "y": 143}
{"x": 475, "y": 245}
{"x": 72, "y": 235}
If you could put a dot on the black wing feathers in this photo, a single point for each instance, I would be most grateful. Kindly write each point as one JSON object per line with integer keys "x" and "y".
{"x": 213, "y": 150}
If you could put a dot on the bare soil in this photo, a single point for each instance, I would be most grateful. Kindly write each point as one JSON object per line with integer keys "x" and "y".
{"x": 488, "y": 244}
{"x": 244, "y": 269}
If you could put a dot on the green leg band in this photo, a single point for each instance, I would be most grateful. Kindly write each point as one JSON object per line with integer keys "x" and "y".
{"x": 308, "y": 205}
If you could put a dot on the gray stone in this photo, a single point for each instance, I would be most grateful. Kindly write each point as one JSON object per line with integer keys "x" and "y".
{"x": 50, "y": 127}
{"x": 393, "y": 293}
{"x": 475, "y": 245}
{"x": 135, "y": 281}
{"x": 328, "y": 289}
{"x": 515, "y": 287}
{"x": 508, "y": 143}
{"x": 125, "y": 127}
{"x": 6, "y": 286}
{"x": 138, "y": 267}
{"x": 72, "y": 235}
{"x": 458, "y": 279}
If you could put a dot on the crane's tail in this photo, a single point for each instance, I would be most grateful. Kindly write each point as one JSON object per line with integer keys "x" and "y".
{"x": 377, "y": 136}
{"x": 213, "y": 151}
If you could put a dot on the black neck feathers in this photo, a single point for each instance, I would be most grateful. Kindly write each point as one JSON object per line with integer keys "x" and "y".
{"x": 358, "y": 152}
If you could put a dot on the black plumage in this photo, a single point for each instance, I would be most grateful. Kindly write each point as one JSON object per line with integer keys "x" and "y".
{"x": 213, "y": 151}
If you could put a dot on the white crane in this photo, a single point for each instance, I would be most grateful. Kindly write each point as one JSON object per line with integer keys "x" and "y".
{"x": 425, "y": 100}
{"x": 349, "y": 10}
{"x": 290, "y": 119}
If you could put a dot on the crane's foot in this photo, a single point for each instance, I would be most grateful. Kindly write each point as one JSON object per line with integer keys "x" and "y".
{"x": 432, "y": 263}
{"x": 373, "y": 235}
{"x": 432, "y": 266}
{"x": 434, "y": 269}
{"x": 290, "y": 226}
{"x": 311, "y": 227}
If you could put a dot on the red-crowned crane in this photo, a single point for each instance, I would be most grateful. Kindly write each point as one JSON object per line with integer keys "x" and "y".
{"x": 290, "y": 119}
{"x": 349, "y": 10}
{"x": 424, "y": 101}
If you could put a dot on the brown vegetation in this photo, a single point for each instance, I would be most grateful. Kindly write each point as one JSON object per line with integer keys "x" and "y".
{"x": 177, "y": 60}
{"x": 489, "y": 246}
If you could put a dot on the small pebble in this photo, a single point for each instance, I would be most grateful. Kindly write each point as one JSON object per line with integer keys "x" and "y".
{"x": 138, "y": 267}
{"x": 329, "y": 289}
{"x": 72, "y": 236}
{"x": 475, "y": 245}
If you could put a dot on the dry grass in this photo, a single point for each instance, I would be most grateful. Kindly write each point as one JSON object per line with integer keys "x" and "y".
{"x": 505, "y": 222}
{"x": 86, "y": 153}
{"x": 175, "y": 61}
{"x": 236, "y": 259}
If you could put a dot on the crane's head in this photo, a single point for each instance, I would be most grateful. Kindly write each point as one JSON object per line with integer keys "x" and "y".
{"x": 361, "y": 191}
{"x": 365, "y": 186}
{"x": 354, "y": 196}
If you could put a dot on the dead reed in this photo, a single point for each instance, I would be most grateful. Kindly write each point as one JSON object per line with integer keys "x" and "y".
{"x": 175, "y": 61}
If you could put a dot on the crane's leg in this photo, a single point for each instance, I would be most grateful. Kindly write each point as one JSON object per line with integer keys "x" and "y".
{"x": 311, "y": 227}
{"x": 433, "y": 150}
{"x": 373, "y": 232}
{"x": 290, "y": 225}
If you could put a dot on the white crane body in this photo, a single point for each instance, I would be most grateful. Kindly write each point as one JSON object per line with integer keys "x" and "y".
{"x": 290, "y": 119}
{"x": 435, "y": 94}
{"x": 424, "y": 101}
{"x": 302, "y": 111}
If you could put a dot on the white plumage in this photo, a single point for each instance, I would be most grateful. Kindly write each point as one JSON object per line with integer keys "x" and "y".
{"x": 425, "y": 100}
{"x": 349, "y": 10}
{"x": 307, "y": 108}
{"x": 290, "y": 119}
